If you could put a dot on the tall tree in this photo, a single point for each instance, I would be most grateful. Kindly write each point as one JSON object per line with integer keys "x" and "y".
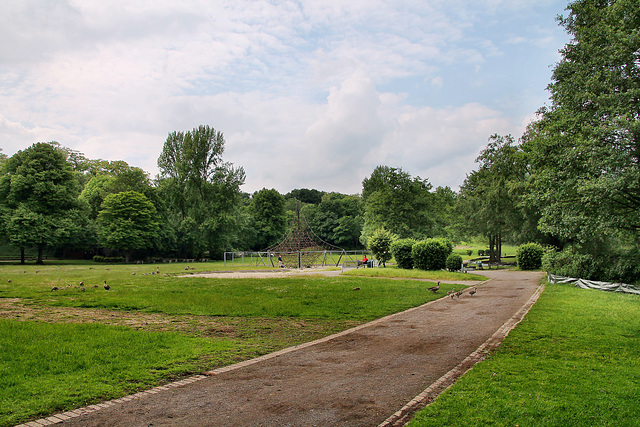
{"x": 268, "y": 216}
{"x": 487, "y": 201}
{"x": 38, "y": 194}
{"x": 584, "y": 150}
{"x": 397, "y": 202}
{"x": 127, "y": 222}
{"x": 200, "y": 190}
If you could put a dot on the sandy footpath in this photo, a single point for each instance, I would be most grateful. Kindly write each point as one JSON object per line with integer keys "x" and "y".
{"x": 360, "y": 377}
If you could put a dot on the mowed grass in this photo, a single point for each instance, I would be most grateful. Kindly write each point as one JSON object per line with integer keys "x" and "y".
{"x": 304, "y": 297}
{"x": 395, "y": 272}
{"x": 48, "y": 367}
{"x": 573, "y": 361}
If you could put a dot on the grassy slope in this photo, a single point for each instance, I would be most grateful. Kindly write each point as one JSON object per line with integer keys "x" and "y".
{"x": 573, "y": 361}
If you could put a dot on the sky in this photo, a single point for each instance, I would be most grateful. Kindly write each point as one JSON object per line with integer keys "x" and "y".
{"x": 308, "y": 94}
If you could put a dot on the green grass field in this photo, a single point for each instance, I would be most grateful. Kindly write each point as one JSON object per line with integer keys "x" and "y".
{"x": 65, "y": 348}
{"x": 573, "y": 361}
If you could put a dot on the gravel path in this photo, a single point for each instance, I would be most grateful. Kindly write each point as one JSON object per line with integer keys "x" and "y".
{"x": 360, "y": 377}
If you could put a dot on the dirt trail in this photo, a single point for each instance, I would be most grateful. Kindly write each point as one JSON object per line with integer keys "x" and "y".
{"x": 360, "y": 377}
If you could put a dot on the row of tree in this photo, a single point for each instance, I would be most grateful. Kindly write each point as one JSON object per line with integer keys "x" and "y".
{"x": 571, "y": 181}
{"x": 53, "y": 197}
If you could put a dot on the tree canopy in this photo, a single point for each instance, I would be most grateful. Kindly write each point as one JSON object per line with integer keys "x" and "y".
{"x": 127, "y": 222}
{"x": 38, "y": 197}
{"x": 584, "y": 150}
{"x": 201, "y": 192}
{"x": 397, "y": 202}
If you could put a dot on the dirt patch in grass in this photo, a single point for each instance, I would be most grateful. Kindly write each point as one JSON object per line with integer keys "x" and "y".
{"x": 268, "y": 332}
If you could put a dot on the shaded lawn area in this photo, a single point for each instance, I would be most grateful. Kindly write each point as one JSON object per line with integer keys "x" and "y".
{"x": 573, "y": 361}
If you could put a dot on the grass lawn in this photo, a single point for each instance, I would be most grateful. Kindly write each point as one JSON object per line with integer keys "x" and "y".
{"x": 573, "y": 361}
{"x": 395, "y": 272}
{"x": 65, "y": 348}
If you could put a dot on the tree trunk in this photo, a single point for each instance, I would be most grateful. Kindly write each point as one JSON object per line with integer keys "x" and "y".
{"x": 40, "y": 250}
{"x": 22, "y": 256}
{"x": 492, "y": 248}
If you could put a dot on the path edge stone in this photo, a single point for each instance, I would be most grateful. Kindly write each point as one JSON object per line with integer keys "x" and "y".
{"x": 403, "y": 416}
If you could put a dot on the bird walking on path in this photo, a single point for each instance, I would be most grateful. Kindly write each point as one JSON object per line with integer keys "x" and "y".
{"x": 451, "y": 293}
{"x": 473, "y": 291}
{"x": 435, "y": 289}
{"x": 458, "y": 293}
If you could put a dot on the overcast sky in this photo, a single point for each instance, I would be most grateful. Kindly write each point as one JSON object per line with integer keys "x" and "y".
{"x": 308, "y": 94}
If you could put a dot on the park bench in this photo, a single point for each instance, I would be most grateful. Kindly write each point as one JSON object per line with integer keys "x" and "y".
{"x": 359, "y": 264}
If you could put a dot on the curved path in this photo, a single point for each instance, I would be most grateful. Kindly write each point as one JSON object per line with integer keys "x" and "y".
{"x": 373, "y": 375}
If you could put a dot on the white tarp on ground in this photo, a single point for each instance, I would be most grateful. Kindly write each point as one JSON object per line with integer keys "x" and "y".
{"x": 593, "y": 284}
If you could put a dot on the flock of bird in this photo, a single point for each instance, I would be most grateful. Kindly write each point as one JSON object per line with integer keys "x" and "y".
{"x": 453, "y": 293}
{"x": 81, "y": 287}
{"x": 106, "y": 287}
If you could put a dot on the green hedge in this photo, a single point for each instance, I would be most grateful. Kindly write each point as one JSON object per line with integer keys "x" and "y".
{"x": 454, "y": 262}
{"x": 401, "y": 251}
{"x": 431, "y": 254}
{"x": 529, "y": 256}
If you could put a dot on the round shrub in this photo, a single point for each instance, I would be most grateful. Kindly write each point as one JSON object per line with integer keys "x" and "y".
{"x": 529, "y": 256}
{"x": 454, "y": 262}
{"x": 431, "y": 254}
{"x": 401, "y": 251}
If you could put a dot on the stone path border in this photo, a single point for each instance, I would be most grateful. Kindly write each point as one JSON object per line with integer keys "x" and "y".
{"x": 58, "y": 418}
{"x": 401, "y": 417}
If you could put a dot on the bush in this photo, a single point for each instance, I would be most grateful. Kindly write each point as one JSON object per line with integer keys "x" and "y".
{"x": 431, "y": 254}
{"x": 454, "y": 262}
{"x": 108, "y": 259}
{"x": 469, "y": 252}
{"x": 380, "y": 245}
{"x": 624, "y": 268}
{"x": 529, "y": 256}
{"x": 616, "y": 266}
{"x": 401, "y": 251}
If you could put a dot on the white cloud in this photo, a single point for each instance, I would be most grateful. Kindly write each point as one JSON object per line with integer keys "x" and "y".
{"x": 308, "y": 94}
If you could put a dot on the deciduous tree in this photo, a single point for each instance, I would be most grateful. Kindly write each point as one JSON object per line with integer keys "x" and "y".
{"x": 39, "y": 197}
{"x": 585, "y": 148}
{"x": 268, "y": 217}
{"x": 399, "y": 203}
{"x": 200, "y": 190}
{"x": 127, "y": 222}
